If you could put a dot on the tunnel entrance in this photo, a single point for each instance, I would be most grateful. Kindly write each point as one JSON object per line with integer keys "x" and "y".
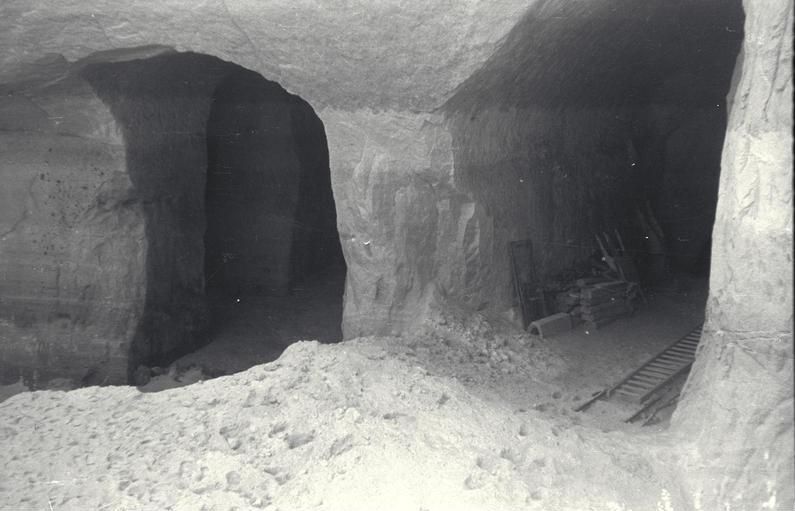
{"x": 595, "y": 134}
{"x": 274, "y": 271}
{"x": 231, "y": 175}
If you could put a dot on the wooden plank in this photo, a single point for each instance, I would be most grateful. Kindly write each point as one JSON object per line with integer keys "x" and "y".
{"x": 682, "y": 351}
{"x": 673, "y": 356}
{"x": 632, "y": 384}
{"x": 627, "y": 392}
{"x": 634, "y": 398}
{"x": 675, "y": 361}
{"x": 668, "y": 368}
{"x": 645, "y": 383}
{"x": 664, "y": 363}
{"x": 663, "y": 384}
{"x": 650, "y": 374}
{"x": 656, "y": 370}
{"x": 647, "y": 378}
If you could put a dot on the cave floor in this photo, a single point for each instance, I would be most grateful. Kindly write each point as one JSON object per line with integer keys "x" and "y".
{"x": 598, "y": 359}
{"x": 464, "y": 412}
{"x": 251, "y": 330}
{"x": 569, "y": 369}
{"x": 550, "y": 375}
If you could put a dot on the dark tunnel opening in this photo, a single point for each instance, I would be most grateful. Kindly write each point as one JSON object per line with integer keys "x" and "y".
{"x": 607, "y": 167}
{"x": 232, "y": 174}
{"x": 627, "y": 136}
{"x": 273, "y": 260}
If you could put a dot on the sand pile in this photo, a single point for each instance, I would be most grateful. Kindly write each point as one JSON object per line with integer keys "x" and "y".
{"x": 339, "y": 427}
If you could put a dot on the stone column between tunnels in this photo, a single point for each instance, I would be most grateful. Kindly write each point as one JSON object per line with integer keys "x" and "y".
{"x": 737, "y": 406}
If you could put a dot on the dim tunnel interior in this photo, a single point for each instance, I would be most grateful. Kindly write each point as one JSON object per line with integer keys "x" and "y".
{"x": 597, "y": 119}
{"x": 232, "y": 173}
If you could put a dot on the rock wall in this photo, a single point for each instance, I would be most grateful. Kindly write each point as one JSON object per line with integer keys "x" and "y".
{"x": 373, "y": 72}
{"x": 162, "y": 104}
{"x": 391, "y": 174}
{"x": 349, "y": 56}
{"x": 316, "y": 245}
{"x": 554, "y": 176}
{"x": 737, "y": 409}
{"x": 72, "y": 243}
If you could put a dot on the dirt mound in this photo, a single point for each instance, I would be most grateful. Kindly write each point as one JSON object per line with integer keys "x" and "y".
{"x": 348, "y": 426}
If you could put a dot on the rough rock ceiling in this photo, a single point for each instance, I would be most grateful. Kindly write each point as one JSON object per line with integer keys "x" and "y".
{"x": 611, "y": 52}
{"x": 410, "y": 56}
{"x": 407, "y": 55}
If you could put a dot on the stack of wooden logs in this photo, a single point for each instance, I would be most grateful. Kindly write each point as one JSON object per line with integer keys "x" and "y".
{"x": 603, "y": 302}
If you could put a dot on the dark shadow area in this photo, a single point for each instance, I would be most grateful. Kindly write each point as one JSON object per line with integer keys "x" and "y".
{"x": 602, "y": 117}
{"x": 595, "y": 134}
{"x": 271, "y": 221}
{"x": 232, "y": 175}
{"x": 273, "y": 263}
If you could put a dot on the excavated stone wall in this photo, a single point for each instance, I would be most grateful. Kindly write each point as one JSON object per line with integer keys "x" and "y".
{"x": 554, "y": 176}
{"x": 162, "y": 105}
{"x": 72, "y": 243}
{"x": 397, "y": 211}
{"x": 737, "y": 409}
{"x": 316, "y": 243}
{"x": 372, "y": 72}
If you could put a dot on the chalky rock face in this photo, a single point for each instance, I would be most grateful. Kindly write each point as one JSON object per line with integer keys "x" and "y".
{"x": 738, "y": 403}
{"x": 356, "y": 55}
{"x": 72, "y": 246}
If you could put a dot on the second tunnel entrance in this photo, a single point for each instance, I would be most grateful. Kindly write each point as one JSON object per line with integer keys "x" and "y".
{"x": 274, "y": 271}
{"x": 231, "y": 174}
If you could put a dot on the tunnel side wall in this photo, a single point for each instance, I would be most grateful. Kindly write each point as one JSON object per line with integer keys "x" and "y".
{"x": 316, "y": 243}
{"x": 72, "y": 246}
{"x": 162, "y": 105}
{"x": 396, "y": 213}
{"x": 738, "y": 402}
{"x": 554, "y": 176}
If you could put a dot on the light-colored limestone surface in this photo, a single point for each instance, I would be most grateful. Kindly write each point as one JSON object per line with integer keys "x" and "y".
{"x": 349, "y": 54}
{"x": 738, "y": 405}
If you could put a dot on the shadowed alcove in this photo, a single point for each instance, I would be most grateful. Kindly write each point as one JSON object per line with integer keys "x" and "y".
{"x": 232, "y": 172}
